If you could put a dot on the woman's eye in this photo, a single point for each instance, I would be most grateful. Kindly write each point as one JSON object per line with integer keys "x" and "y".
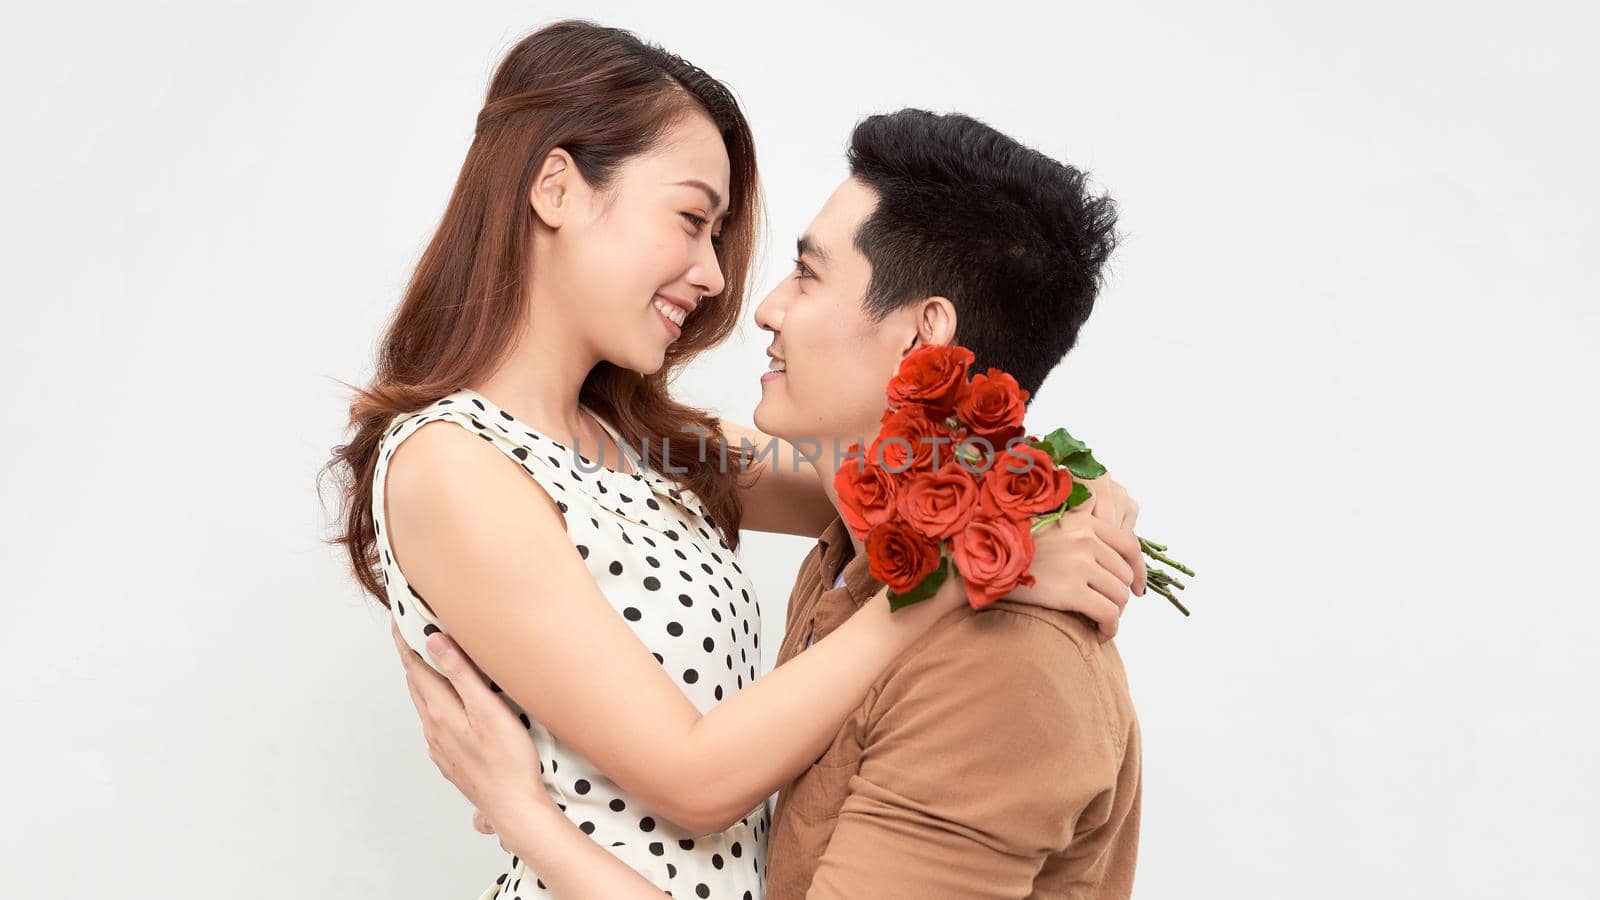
{"x": 800, "y": 269}
{"x": 699, "y": 223}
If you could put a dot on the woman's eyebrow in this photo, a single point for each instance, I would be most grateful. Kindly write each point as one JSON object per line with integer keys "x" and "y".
{"x": 711, "y": 192}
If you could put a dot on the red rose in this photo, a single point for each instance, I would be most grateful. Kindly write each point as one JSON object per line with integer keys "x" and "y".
{"x": 1039, "y": 488}
{"x": 993, "y": 407}
{"x": 915, "y": 437}
{"x": 867, "y": 493}
{"x": 900, "y": 557}
{"x": 993, "y": 554}
{"x": 932, "y": 376}
{"x": 940, "y": 504}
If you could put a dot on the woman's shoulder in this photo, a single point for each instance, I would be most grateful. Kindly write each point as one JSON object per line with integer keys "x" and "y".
{"x": 454, "y": 494}
{"x": 455, "y": 407}
{"x": 434, "y": 447}
{"x": 446, "y": 453}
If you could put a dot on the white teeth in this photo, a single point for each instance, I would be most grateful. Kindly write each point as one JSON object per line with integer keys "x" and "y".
{"x": 672, "y": 311}
{"x": 778, "y": 365}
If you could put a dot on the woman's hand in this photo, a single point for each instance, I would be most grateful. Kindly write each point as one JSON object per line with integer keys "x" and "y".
{"x": 485, "y": 752}
{"x": 473, "y": 737}
{"x": 1089, "y": 560}
{"x": 1109, "y": 501}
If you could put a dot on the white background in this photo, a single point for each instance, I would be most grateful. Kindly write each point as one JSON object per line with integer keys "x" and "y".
{"x": 1346, "y": 362}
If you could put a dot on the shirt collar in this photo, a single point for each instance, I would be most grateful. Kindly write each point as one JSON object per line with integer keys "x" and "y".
{"x": 859, "y": 585}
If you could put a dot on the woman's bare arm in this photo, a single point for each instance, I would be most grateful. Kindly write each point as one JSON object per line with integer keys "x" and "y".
{"x": 487, "y": 547}
{"x": 786, "y": 497}
{"x": 570, "y": 863}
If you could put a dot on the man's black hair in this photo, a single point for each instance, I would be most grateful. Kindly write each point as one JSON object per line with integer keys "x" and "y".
{"x": 1010, "y": 236}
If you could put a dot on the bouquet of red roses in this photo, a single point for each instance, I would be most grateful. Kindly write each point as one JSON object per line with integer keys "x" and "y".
{"x": 978, "y": 509}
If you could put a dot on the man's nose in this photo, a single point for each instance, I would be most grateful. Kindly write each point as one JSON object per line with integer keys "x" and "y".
{"x": 769, "y": 312}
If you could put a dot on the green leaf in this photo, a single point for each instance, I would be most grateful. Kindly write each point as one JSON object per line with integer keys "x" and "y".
{"x": 1060, "y": 445}
{"x": 1079, "y": 494}
{"x": 924, "y": 589}
{"x": 1083, "y": 465}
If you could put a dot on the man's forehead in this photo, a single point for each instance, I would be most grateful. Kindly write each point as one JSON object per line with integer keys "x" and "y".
{"x": 849, "y": 203}
{"x": 832, "y": 233}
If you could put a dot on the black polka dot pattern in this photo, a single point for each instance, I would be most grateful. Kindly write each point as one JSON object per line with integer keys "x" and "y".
{"x": 660, "y": 561}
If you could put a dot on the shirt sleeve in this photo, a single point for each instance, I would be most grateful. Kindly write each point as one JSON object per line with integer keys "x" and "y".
{"x": 982, "y": 754}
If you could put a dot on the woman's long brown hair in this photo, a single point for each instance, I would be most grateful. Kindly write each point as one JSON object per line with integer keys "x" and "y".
{"x": 604, "y": 96}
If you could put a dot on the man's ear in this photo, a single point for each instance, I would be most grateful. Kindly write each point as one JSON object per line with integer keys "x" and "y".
{"x": 554, "y": 187}
{"x": 935, "y": 321}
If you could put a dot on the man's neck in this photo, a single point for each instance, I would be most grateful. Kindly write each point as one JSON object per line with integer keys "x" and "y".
{"x": 827, "y": 464}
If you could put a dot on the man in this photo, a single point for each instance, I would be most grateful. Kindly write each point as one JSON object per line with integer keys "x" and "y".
{"x": 998, "y": 756}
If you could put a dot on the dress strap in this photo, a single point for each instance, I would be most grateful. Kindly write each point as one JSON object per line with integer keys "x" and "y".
{"x": 615, "y": 439}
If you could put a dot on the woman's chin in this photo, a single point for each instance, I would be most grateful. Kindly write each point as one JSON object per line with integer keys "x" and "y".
{"x": 649, "y": 357}
{"x": 645, "y": 363}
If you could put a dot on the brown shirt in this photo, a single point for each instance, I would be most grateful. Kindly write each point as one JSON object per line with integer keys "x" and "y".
{"x": 996, "y": 757}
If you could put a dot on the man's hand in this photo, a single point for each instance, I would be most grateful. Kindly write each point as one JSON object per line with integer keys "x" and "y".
{"x": 473, "y": 737}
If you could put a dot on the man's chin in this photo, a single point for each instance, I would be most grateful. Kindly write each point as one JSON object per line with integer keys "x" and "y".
{"x": 768, "y": 419}
{"x": 762, "y": 418}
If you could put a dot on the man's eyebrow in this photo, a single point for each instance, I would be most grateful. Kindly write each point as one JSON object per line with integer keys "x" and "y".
{"x": 711, "y": 192}
{"x": 806, "y": 244}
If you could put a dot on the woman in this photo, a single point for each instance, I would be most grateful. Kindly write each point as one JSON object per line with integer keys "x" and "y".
{"x": 602, "y": 599}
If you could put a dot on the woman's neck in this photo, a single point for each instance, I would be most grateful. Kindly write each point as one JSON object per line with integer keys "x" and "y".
{"x": 542, "y": 377}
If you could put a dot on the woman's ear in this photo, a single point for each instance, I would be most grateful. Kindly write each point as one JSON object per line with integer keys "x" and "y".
{"x": 935, "y": 322}
{"x": 553, "y": 188}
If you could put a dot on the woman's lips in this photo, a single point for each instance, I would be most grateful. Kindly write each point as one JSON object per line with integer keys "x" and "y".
{"x": 672, "y": 327}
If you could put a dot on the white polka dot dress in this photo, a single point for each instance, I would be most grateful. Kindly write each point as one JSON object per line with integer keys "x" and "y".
{"x": 660, "y": 560}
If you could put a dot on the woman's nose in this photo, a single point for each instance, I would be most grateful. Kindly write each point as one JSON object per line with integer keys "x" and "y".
{"x": 707, "y": 272}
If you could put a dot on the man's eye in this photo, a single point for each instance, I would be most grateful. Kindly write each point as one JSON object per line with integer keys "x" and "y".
{"x": 801, "y": 269}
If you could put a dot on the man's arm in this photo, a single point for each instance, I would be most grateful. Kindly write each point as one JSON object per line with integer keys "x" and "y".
{"x": 983, "y": 753}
